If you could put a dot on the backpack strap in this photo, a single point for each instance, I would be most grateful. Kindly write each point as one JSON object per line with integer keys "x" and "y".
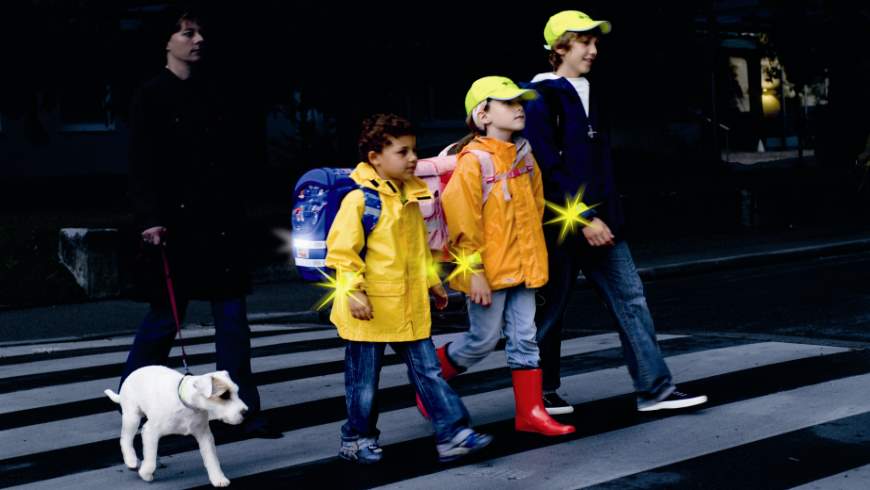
{"x": 489, "y": 178}
{"x": 446, "y": 151}
{"x": 487, "y": 171}
{"x": 523, "y": 169}
{"x": 371, "y": 214}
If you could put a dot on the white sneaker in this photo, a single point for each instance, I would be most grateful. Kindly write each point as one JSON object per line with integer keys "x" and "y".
{"x": 675, "y": 400}
{"x": 555, "y": 405}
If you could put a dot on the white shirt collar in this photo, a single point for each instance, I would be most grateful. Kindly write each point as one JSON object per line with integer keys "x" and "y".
{"x": 580, "y": 84}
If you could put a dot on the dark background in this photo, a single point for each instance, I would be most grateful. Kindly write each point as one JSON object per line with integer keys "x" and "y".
{"x": 303, "y": 75}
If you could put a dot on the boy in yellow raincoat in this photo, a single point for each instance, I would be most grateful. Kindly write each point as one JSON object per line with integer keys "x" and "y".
{"x": 388, "y": 279}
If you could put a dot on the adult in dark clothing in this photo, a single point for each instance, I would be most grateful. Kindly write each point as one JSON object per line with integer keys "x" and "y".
{"x": 186, "y": 181}
{"x": 572, "y": 150}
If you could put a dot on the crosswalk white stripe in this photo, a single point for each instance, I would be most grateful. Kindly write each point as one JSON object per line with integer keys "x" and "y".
{"x": 125, "y": 340}
{"x": 91, "y": 428}
{"x": 317, "y": 442}
{"x": 615, "y": 454}
{"x": 95, "y": 360}
{"x": 71, "y": 392}
{"x": 854, "y": 479}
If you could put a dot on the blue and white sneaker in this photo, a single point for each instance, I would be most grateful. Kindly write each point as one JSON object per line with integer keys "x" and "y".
{"x": 363, "y": 450}
{"x": 465, "y": 442}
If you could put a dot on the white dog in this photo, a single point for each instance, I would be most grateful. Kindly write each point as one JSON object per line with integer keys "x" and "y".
{"x": 176, "y": 404}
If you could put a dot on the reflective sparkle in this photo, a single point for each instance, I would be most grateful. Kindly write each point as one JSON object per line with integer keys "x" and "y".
{"x": 571, "y": 214}
{"x": 340, "y": 285}
{"x": 465, "y": 264}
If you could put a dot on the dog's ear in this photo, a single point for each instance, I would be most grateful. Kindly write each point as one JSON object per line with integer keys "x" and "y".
{"x": 218, "y": 386}
{"x": 204, "y": 385}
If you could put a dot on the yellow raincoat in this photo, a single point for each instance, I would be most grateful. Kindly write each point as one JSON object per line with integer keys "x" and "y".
{"x": 395, "y": 273}
{"x": 508, "y": 233}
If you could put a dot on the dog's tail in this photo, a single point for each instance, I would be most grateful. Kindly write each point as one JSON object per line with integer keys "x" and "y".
{"x": 113, "y": 396}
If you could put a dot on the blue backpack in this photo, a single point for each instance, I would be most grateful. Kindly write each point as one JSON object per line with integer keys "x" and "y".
{"x": 318, "y": 196}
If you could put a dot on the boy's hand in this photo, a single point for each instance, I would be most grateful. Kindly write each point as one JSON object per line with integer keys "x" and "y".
{"x": 440, "y": 294}
{"x": 360, "y": 308}
{"x": 598, "y": 234}
{"x": 480, "y": 292}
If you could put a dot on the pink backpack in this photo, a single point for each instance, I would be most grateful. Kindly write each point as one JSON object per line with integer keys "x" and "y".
{"x": 436, "y": 172}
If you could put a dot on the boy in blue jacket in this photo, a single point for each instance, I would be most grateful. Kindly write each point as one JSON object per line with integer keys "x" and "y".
{"x": 572, "y": 150}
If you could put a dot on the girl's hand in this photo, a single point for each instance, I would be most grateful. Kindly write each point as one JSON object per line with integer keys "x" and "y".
{"x": 480, "y": 292}
{"x": 440, "y": 294}
{"x": 359, "y": 305}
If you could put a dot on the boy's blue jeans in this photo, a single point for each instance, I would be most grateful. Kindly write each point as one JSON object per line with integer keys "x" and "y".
{"x": 362, "y": 372}
{"x": 512, "y": 311}
{"x": 612, "y": 273}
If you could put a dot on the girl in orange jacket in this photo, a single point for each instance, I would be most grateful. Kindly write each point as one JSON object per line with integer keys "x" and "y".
{"x": 494, "y": 205}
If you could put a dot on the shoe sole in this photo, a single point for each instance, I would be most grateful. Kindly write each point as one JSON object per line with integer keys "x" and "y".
{"x": 357, "y": 460}
{"x": 673, "y": 405}
{"x": 560, "y": 410}
{"x": 471, "y": 451}
{"x": 544, "y": 434}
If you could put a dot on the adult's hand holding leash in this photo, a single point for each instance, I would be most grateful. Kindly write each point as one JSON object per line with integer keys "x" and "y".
{"x": 154, "y": 235}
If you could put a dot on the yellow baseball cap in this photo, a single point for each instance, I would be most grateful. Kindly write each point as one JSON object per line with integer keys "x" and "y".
{"x": 571, "y": 21}
{"x": 498, "y": 88}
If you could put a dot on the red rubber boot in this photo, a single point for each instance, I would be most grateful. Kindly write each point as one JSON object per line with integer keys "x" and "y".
{"x": 531, "y": 416}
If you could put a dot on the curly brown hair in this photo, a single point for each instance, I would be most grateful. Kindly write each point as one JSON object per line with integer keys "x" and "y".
{"x": 377, "y": 131}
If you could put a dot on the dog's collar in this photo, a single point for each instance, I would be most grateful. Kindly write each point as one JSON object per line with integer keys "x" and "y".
{"x": 180, "y": 397}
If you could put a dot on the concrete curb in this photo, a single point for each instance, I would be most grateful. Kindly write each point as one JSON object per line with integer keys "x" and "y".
{"x": 61, "y": 340}
{"x": 701, "y": 266}
{"x": 306, "y": 316}
{"x": 253, "y": 319}
{"x": 659, "y": 271}
{"x": 782, "y": 256}
{"x": 704, "y": 265}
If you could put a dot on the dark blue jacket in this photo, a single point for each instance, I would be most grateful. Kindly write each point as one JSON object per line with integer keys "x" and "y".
{"x": 568, "y": 154}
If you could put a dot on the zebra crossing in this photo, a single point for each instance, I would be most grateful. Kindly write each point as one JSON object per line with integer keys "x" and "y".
{"x": 778, "y": 412}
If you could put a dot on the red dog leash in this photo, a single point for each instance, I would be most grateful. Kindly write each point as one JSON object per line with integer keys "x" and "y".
{"x": 171, "y": 290}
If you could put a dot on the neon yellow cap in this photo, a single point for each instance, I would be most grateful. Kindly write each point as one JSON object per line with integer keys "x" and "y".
{"x": 498, "y": 88}
{"x": 571, "y": 21}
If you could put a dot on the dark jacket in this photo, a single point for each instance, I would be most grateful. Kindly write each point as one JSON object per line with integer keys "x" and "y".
{"x": 187, "y": 174}
{"x": 559, "y": 131}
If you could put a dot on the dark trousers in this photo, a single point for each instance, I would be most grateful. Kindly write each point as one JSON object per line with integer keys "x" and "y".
{"x": 156, "y": 335}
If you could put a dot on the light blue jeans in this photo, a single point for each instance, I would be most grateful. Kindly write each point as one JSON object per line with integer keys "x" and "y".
{"x": 513, "y": 312}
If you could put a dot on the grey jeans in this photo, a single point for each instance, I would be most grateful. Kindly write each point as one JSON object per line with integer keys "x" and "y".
{"x": 513, "y": 312}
